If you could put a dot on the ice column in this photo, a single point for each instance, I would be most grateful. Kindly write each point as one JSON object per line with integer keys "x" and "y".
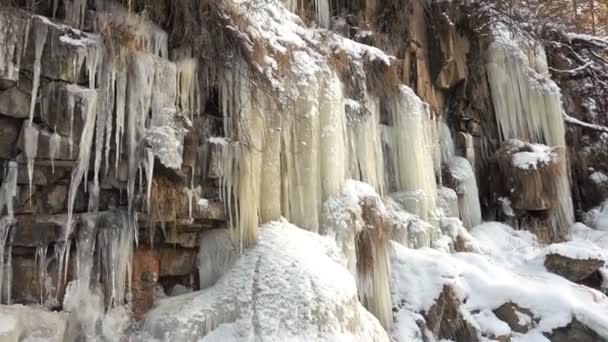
{"x": 411, "y": 147}
{"x": 528, "y": 107}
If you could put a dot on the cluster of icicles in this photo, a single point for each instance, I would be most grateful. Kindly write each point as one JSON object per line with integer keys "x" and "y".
{"x": 528, "y": 107}
{"x": 276, "y": 161}
{"x": 115, "y": 112}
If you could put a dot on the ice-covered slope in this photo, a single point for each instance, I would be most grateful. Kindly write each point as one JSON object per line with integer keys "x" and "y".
{"x": 509, "y": 271}
{"x": 292, "y": 286}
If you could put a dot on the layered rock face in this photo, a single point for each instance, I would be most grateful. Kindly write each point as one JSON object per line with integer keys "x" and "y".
{"x": 154, "y": 148}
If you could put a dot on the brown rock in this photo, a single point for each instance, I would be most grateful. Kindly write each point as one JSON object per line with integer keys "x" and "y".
{"x": 520, "y": 320}
{"x": 145, "y": 273}
{"x": 177, "y": 261}
{"x": 445, "y": 320}
{"x": 576, "y": 270}
{"x": 575, "y": 332}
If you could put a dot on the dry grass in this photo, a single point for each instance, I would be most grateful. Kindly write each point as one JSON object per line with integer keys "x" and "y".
{"x": 167, "y": 204}
{"x": 122, "y": 39}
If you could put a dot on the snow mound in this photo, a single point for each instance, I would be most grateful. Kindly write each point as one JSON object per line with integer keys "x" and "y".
{"x": 598, "y": 217}
{"x": 25, "y": 323}
{"x": 509, "y": 270}
{"x": 538, "y": 156}
{"x": 292, "y": 286}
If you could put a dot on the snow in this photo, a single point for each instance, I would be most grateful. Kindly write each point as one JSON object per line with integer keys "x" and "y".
{"x": 528, "y": 105}
{"x": 509, "y": 269}
{"x": 599, "y": 178}
{"x": 277, "y": 290}
{"x": 598, "y": 217}
{"x": 539, "y": 155}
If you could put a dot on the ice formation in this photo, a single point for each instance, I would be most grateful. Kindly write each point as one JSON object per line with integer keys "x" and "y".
{"x": 30, "y": 136}
{"x": 528, "y": 106}
{"x": 216, "y": 255}
{"x": 410, "y": 147}
{"x": 276, "y": 291}
{"x": 466, "y": 187}
{"x": 40, "y": 34}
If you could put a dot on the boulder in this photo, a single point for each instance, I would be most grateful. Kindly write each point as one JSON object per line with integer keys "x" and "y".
{"x": 531, "y": 172}
{"x": 575, "y": 270}
{"x": 575, "y": 331}
{"x": 9, "y": 135}
{"x": 520, "y": 320}
{"x": 445, "y": 320}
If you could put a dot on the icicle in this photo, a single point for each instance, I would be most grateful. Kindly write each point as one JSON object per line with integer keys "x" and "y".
{"x": 40, "y": 263}
{"x": 468, "y": 194}
{"x": 150, "y": 175}
{"x": 8, "y": 191}
{"x": 323, "y": 13}
{"x": 121, "y": 90}
{"x": 30, "y": 133}
{"x": 528, "y": 107}
{"x": 55, "y": 144}
{"x": 81, "y": 169}
{"x": 81, "y": 301}
{"x": 116, "y": 245}
{"x": 70, "y": 108}
{"x": 374, "y": 275}
{"x": 139, "y": 93}
{"x": 411, "y": 149}
{"x": 447, "y": 143}
{"x": 110, "y": 95}
{"x": 6, "y": 224}
{"x": 40, "y": 34}
{"x": 333, "y": 134}
{"x": 366, "y": 157}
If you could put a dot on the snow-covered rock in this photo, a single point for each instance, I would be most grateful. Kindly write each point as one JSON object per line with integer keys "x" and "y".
{"x": 510, "y": 269}
{"x": 292, "y": 286}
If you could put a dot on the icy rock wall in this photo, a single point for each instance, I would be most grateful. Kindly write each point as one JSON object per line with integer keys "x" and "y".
{"x": 528, "y": 106}
{"x": 307, "y": 153}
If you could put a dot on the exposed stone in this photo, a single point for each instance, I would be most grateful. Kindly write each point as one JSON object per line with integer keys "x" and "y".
{"x": 64, "y": 52}
{"x": 44, "y": 145}
{"x": 520, "y": 319}
{"x": 445, "y": 320}
{"x": 183, "y": 239}
{"x": 39, "y": 230}
{"x": 15, "y": 103}
{"x": 576, "y": 270}
{"x": 575, "y": 331}
{"x": 12, "y": 35}
{"x": 9, "y": 135}
{"x": 145, "y": 273}
{"x": 533, "y": 187}
{"x": 177, "y": 261}
{"x": 64, "y": 108}
{"x": 29, "y": 288}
